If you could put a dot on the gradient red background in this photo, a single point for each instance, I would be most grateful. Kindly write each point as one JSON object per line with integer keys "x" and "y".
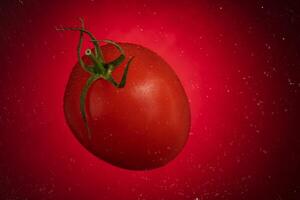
{"x": 238, "y": 62}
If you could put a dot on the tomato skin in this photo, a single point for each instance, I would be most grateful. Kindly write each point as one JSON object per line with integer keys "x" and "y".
{"x": 141, "y": 126}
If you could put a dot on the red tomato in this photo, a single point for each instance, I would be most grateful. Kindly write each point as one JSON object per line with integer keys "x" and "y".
{"x": 141, "y": 126}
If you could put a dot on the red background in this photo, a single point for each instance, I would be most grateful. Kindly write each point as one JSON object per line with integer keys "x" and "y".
{"x": 238, "y": 62}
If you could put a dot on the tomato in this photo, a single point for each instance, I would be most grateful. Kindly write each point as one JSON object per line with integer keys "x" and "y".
{"x": 140, "y": 123}
{"x": 141, "y": 126}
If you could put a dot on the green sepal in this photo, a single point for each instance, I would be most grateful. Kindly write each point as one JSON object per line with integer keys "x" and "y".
{"x": 124, "y": 77}
{"x": 83, "y": 95}
{"x": 115, "y": 63}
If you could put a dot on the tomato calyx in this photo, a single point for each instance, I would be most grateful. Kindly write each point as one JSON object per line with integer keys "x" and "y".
{"x": 99, "y": 69}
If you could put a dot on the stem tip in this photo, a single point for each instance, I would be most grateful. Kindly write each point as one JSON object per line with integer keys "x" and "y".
{"x": 88, "y": 52}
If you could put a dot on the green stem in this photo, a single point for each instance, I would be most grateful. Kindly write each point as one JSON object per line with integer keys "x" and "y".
{"x": 96, "y": 62}
{"x": 98, "y": 51}
{"x": 100, "y": 69}
{"x": 79, "y": 47}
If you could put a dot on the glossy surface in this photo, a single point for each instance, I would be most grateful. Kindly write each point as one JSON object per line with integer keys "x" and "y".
{"x": 141, "y": 126}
